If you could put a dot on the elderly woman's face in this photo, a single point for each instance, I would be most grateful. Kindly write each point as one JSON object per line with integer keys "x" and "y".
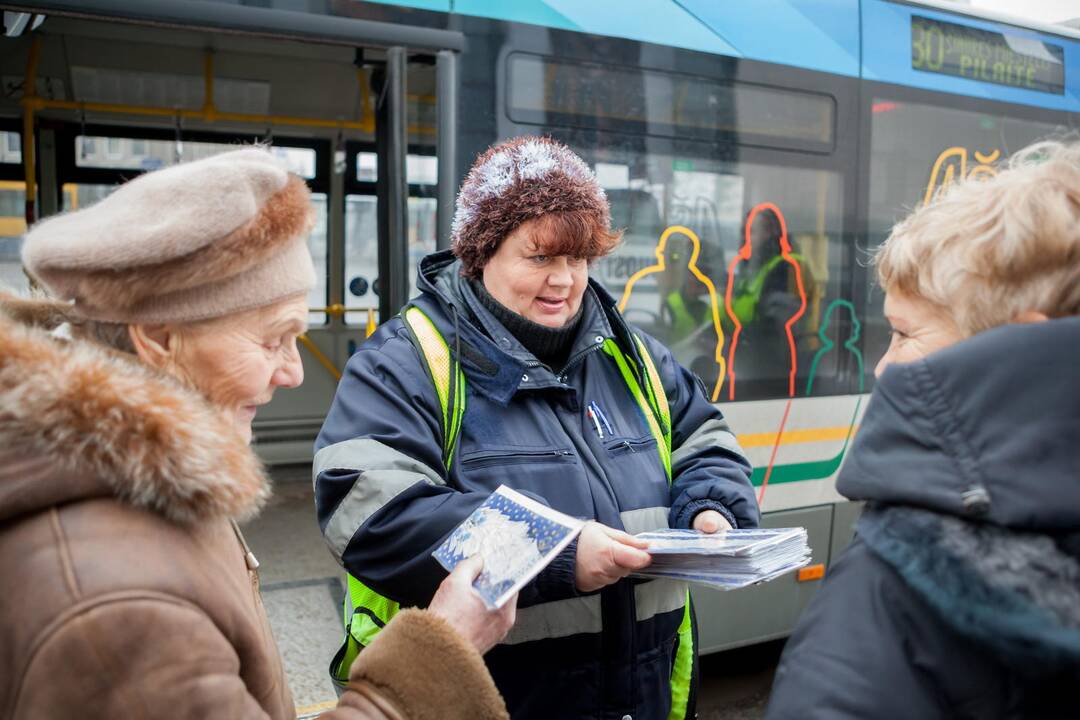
{"x": 239, "y": 361}
{"x": 918, "y": 329}
{"x": 543, "y": 288}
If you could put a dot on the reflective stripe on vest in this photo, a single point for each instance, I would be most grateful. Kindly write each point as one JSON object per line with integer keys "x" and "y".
{"x": 366, "y": 611}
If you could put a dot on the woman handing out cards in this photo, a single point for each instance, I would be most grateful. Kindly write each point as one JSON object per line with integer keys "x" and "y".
{"x": 513, "y": 367}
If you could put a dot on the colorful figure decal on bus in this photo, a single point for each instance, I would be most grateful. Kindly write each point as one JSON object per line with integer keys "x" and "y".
{"x": 851, "y": 344}
{"x": 825, "y": 468}
{"x": 952, "y": 163}
{"x": 683, "y": 290}
{"x": 759, "y": 292}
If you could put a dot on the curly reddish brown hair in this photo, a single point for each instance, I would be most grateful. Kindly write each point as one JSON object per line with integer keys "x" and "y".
{"x": 531, "y": 179}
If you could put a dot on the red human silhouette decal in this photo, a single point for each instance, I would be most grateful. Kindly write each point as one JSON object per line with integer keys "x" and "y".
{"x": 744, "y": 255}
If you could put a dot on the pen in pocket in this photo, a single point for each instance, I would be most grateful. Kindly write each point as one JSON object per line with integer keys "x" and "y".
{"x": 603, "y": 418}
{"x": 592, "y": 415}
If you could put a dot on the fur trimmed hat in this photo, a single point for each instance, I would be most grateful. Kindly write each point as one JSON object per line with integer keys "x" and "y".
{"x": 524, "y": 179}
{"x": 190, "y": 242}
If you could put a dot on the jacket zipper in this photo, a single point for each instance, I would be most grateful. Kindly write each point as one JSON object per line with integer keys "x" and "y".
{"x": 633, "y": 446}
{"x": 516, "y": 458}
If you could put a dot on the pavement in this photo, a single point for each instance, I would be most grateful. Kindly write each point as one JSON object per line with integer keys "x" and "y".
{"x": 303, "y": 587}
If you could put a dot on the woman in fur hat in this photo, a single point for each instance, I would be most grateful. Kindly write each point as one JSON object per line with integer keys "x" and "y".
{"x": 960, "y": 596}
{"x": 125, "y": 466}
{"x": 552, "y": 393}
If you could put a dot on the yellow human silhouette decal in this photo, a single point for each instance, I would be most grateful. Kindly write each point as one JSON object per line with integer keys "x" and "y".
{"x": 952, "y": 162}
{"x": 714, "y": 304}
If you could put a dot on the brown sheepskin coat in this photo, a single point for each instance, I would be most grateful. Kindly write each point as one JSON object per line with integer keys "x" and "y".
{"x": 125, "y": 588}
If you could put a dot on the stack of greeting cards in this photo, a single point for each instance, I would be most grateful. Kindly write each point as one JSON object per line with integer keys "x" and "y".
{"x": 728, "y": 559}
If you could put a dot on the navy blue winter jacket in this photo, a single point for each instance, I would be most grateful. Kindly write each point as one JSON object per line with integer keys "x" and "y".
{"x": 385, "y": 501}
{"x": 960, "y": 597}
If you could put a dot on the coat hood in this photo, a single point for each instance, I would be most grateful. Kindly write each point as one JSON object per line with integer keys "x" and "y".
{"x": 78, "y": 421}
{"x": 969, "y": 462}
{"x": 986, "y": 429}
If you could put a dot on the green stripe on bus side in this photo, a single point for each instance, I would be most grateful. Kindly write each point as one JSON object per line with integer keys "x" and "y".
{"x": 796, "y": 472}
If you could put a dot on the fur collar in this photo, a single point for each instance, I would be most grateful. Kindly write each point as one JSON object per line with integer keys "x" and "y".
{"x": 1015, "y": 593}
{"x": 146, "y": 440}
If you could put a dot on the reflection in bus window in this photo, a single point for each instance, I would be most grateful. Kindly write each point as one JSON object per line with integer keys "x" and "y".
{"x": 766, "y": 297}
{"x": 689, "y": 302}
{"x": 712, "y": 198}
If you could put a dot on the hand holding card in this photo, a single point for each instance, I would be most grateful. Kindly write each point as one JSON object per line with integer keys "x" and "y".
{"x": 516, "y": 537}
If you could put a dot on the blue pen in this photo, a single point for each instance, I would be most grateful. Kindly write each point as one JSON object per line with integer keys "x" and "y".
{"x": 603, "y": 418}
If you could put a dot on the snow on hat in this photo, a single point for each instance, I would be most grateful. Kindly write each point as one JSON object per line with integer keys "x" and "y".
{"x": 521, "y": 180}
{"x": 190, "y": 242}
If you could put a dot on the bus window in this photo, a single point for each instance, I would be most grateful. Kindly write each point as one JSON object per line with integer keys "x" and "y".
{"x": 916, "y": 150}
{"x": 361, "y": 249}
{"x": 361, "y": 227}
{"x": 12, "y": 229}
{"x": 722, "y": 292}
{"x": 10, "y": 147}
{"x": 546, "y": 91}
{"x": 120, "y": 153}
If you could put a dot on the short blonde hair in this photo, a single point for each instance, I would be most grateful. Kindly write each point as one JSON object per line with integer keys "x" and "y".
{"x": 986, "y": 250}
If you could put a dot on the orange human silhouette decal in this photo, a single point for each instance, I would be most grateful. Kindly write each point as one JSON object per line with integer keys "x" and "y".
{"x": 714, "y": 303}
{"x": 744, "y": 255}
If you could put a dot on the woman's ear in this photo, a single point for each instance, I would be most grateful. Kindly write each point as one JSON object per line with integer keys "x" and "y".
{"x": 156, "y": 345}
{"x": 1030, "y": 316}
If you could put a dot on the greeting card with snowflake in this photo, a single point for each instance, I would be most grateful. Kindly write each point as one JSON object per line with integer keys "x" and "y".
{"x": 516, "y": 536}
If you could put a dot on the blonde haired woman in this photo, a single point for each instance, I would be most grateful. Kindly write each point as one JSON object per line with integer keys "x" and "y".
{"x": 125, "y": 466}
{"x": 960, "y": 596}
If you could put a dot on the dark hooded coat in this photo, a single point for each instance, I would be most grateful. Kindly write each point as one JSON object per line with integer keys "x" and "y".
{"x": 960, "y": 597}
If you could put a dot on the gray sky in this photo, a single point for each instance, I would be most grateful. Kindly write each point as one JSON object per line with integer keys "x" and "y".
{"x": 1041, "y": 10}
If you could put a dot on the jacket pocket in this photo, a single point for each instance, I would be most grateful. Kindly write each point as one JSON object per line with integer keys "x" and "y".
{"x": 516, "y": 456}
{"x": 624, "y": 446}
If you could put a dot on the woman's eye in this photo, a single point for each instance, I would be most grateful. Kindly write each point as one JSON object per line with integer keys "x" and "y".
{"x": 273, "y": 345}
{"x": 540, "y": 258}
{"x": 899, "y": 334}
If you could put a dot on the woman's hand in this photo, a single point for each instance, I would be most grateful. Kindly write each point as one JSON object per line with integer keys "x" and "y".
{"x": 710, "y": 521}
{"x": 460, "y": 605}
{"x": 605, "y": 555}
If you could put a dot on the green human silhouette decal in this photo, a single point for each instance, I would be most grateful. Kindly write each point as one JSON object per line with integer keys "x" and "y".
{"x": 827, "y": 344}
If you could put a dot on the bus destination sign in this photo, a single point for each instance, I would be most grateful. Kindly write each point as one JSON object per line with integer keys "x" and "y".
{"x": 986, "y": 56}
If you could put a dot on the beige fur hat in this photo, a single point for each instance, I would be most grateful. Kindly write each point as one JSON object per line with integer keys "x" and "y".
{"x": 190, "y": 242}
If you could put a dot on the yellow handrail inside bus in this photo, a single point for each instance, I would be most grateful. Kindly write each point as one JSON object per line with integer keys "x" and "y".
{"x": 337, "y": 310}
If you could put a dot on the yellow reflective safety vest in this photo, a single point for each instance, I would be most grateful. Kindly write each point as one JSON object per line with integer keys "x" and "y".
{"x": 366, "y": 612}
{"x": 745, "y": 303}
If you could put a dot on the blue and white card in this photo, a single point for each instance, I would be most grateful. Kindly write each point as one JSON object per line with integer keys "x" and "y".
{"x": 516, "y": 536}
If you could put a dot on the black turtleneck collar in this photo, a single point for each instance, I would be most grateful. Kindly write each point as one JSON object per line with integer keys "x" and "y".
{"x": 551, "y": 346}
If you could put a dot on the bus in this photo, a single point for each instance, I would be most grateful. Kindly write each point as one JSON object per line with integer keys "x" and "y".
{"x": 754, "y": 154}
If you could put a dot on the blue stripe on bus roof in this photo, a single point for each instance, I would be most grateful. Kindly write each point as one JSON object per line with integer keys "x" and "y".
{"x": 655, "y": 21}
{"x": 887, "y": 57}
{"x": 814, "y": 34}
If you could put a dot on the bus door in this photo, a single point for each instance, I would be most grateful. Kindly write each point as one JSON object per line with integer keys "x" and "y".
{"x": 363, "y": 111}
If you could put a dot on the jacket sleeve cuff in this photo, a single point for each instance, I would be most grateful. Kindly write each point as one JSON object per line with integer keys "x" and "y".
{"x": 558, "y": 580}
{"x": 408, "y": 663}
{"x": 689, "y": 511}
